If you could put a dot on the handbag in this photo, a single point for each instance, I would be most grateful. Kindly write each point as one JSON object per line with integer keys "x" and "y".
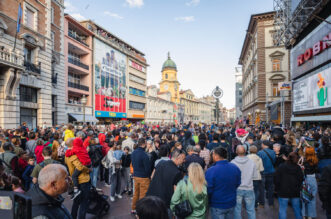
{"x": 306, "y": 194}
{"x": 184, "y": 208}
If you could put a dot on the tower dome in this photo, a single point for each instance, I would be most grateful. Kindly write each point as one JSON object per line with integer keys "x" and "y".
{"x": 169, "y": 63}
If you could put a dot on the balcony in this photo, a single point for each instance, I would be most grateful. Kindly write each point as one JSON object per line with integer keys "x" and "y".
{"x": 10, "y": 58}
{"x": 75, "y": 36}
{"x": 78, "y": 63}
{"x": 32, "y": 67}
{"x": 78, "y": 86}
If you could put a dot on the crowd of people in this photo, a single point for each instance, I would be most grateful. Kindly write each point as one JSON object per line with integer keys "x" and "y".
{"x": 189, "y": 171}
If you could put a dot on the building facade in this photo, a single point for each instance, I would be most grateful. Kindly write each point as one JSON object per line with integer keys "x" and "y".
{"x": 160, "y": 108}
{"x": 169, "y": 82}
{"x": 191, "y": 105}
{"x": 264, "y": 66}
{"x": 78, "y": 70}
{"x": 239, "y": 92}
{"x": 32, "y": 75}
{"x": 311, "y": 67}
{"x": 114, "y": 61}
{"x": 205, "y": 109}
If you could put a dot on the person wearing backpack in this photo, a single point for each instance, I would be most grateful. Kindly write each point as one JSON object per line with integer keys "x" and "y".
{"x": 268, "y": 157}
{"x": 9, "y": 159}
{"x": 31, "y": 144}
{"x": 288, "y": 183}
{"x": 46, "y": 153}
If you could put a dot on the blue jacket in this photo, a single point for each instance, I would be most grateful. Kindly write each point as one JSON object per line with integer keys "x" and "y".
{"x": 268, "y": 163}
{"x": 223, "y": 180}
{"x": 141, "y": 164}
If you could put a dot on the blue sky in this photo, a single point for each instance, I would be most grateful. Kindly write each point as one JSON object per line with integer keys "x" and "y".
{"x": 204, "y": 37}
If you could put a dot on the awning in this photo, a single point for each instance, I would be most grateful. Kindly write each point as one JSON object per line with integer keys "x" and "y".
{"x": 311, "y": 118}
{"x": 273, "y": 103}
{"x": 80, "y": 118}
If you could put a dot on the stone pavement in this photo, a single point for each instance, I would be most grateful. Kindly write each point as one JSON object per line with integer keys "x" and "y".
{"x": 120, "y": 209}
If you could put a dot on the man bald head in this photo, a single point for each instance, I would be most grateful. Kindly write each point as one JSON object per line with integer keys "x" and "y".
{"x": 241, "y": 150}
{"x": 53, "y": 179}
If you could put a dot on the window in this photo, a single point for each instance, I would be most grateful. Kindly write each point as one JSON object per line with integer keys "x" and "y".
{"x": 53, "y": 100}
{"x": 30, "y": 16}
{"x": 275, "y": 91}
{"x": 29, "y": 116}
{"x": 166, "y": 76}
{"x": 52, "y": 15}
{"x": 28, "y": 94}
{"x": 74, "y": 78}
{"x": 275, "y": 65}
{"x": 53, "y": 39}
{"x": 240, "y": 92}
{"x": 74, "y": 56}
{"x": 28, "y": 54}
{"x": 136, "y": 105}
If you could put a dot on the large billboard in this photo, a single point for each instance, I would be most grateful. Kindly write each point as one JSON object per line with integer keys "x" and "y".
{"x": 312, "y": 92}
{"x": 110, "y": 81}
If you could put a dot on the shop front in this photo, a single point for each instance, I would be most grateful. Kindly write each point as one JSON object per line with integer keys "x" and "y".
{"x": 311, "y": 78}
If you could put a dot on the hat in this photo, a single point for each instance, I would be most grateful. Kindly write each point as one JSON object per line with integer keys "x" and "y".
{"x": 90, "y": 133}
{"x": 241, "y": 132}
{"x": 267, "y": 143}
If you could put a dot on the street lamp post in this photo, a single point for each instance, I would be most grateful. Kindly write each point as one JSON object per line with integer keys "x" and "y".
{"x": 83, "y": 101}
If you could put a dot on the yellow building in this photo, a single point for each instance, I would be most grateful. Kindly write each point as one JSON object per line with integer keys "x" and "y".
{"x": 169, "y": 82}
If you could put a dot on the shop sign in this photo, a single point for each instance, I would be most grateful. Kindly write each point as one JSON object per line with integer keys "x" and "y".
{"x": 284, "y": 86}
{"x": 312, "y": 92}
{"x": 137, "y": 92}
{"x": 137, "y": 66}
{"x": 317, "y": 48}
{"x": 312, "y": 51}
{"x": 137, "y": 116}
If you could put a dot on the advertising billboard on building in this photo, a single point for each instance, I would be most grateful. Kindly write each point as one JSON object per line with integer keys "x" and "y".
{"x": 312, "y": 92}
{"x": 110, "y": 81}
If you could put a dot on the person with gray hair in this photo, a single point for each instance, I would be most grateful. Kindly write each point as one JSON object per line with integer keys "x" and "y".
{"x": 193, "y": 156}
{"x": 246, "y": 189}
{"x": 280, "y": 157}
{"x": 53, "y": 180}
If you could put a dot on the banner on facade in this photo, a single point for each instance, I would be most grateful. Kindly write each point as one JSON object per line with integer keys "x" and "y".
{"x": 285, "y": 85}
{"x": 110, "y": 81}
{"x": 312, "y": 92}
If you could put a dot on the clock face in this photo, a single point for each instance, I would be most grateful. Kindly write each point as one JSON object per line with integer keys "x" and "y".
{"x": 166, "y": 87}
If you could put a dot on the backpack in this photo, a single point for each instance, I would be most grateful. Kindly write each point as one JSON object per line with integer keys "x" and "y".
{"x": 95, "y": 154}
{"x": 306, "y": 193}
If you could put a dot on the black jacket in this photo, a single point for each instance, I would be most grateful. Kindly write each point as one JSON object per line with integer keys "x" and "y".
{"x": 43, "y": 204}
{"x": 194, "y": 158}
{"x": 288, "y": 180}
{"x": 126, "y": 160}
{"x": 324, "y": 188}
{"x": 95, "y": 154}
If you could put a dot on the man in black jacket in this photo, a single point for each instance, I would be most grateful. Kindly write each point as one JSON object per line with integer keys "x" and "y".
{"x": 46, "y": 195}
{"x": 324, "y": 190}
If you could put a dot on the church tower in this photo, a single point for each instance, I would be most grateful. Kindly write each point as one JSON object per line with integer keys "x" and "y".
{"x": 169, "y": 82}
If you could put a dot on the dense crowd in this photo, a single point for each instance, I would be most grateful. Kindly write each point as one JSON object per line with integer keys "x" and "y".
{"x": 171, "y": 171}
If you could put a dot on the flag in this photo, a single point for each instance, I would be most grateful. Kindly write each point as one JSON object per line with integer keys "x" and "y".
{"x": 19, "y": 18}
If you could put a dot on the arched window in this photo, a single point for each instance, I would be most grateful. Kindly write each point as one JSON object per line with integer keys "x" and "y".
{"x": 276, "y": 65}
{"x": 166, "y": 76}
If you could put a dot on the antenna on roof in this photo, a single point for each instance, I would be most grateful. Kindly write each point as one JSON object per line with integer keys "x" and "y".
{"x": 168, "y": 55}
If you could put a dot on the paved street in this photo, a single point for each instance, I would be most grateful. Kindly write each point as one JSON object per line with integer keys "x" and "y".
{"x": 120, "y": 209}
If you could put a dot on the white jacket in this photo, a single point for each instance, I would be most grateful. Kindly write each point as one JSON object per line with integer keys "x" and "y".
{"x": 258, "y": 163}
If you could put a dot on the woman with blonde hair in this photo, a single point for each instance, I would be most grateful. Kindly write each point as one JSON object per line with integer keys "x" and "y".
{"x": 192, "y": 188}
{"x": 310, "y": 164}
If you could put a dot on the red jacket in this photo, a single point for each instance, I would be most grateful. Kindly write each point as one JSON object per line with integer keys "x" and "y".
{"x": 105, "y": 147}
{"x": 80, "y": 151}
{"x": 87, "y": 142}
{"x": 38, "y": 152}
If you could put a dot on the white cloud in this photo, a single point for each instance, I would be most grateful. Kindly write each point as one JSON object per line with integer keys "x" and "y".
{"x": 114, "y": 15}
{"x": 69, "y": 8}
{"x": 135, "y": 3}
{"x": 185, "y": 19}
{"x": 193, "y": 3}
{"x": 78, "y": 16}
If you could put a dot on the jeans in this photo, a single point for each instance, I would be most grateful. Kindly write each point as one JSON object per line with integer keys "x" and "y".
{"x": 249, "y": 198}
{"x": 140, "y": 188}
{"x": 268, "y": 186}
{"x": 283, "y": 202}
{"x": 218, "y": 213}
{"x": 94, "y": 176}
{"x": 127, "y": 185}
{"x": 115, "y": 182}
{"x": 257, "y": 190}
{"x": 309, "y": 209}
{"x": 81, "y": 202}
